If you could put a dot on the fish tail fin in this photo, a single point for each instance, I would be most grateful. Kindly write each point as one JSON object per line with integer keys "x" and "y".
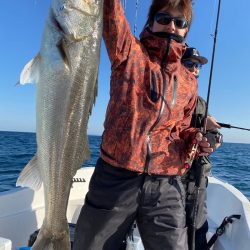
{"x": 47, "y": 240}
{"x": 30, "y": 176}
{"x": 30, "y": 72}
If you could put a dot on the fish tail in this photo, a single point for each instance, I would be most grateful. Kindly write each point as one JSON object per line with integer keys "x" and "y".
{"x": 47, "y": 240}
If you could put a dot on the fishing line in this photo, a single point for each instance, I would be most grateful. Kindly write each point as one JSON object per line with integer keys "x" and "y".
{"x": 136, "y": 15}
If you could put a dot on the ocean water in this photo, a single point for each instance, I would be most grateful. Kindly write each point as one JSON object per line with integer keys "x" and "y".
{"x": 231, "y": 162}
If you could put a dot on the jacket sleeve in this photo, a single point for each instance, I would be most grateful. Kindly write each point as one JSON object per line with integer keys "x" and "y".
{"x": 116, "y": 32}
{"x": 198, "y": 114}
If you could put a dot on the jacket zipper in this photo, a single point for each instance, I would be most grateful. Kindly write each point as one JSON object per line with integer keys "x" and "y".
{"x": 173, "y": 102}
{"x": 163, "y": 63}
{"x": 154, "y": 94}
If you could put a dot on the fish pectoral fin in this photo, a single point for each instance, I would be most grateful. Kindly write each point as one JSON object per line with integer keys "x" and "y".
{"x": 30, "y": 72}
{"x": 30, "y": 176}
{"x": 64, "y": 52}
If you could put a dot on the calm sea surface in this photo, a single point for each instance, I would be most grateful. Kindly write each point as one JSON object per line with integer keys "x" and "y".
{"x": 231, "y": 162}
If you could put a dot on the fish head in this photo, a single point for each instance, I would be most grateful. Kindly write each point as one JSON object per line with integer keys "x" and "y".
{"x": 77, "y": 18}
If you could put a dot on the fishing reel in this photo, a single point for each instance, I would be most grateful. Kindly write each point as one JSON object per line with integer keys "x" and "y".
{"x": 214, "y": 137}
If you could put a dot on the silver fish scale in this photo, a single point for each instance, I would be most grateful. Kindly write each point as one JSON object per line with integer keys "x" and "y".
{"x": 65, "y": 96}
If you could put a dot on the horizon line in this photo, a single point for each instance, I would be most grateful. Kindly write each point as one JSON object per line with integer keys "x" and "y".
{"x": 28, "y": 132}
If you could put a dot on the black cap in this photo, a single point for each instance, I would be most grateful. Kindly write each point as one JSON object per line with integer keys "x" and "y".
{"x": 193, "y": 53}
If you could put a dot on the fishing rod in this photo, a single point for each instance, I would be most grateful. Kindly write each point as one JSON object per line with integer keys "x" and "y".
{"x": 225, "y": 125}
{"x": 203, "y": 130}
{"x": 211, "y": 69}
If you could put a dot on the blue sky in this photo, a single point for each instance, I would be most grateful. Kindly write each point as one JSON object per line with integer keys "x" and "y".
{"x": 21, "y": 26}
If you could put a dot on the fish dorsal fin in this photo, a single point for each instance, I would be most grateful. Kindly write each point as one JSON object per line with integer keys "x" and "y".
{"x": 93, "y": 97}
{"x": 30, "y": 72}
{"x": 30, "y": 176}
{"x": 96, "y": 89}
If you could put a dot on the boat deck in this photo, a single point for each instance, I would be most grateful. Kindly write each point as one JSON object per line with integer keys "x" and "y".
{"x": 22, "y": 212}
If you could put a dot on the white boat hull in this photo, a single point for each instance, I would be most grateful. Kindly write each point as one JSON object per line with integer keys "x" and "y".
{"x": 22, "y": 212}
{"x": 225, "y": 200}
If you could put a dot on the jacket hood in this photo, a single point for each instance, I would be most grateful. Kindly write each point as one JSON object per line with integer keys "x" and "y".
{"x": 156, "y": 44}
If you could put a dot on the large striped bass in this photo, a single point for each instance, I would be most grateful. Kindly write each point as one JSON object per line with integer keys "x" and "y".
{"x": 65, "y": 71}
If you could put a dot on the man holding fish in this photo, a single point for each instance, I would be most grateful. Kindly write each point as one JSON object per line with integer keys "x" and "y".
{"x": 147, "y": 136}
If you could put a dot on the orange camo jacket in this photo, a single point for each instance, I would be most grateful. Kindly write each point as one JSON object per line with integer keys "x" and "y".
{"x": 152, "y": 98}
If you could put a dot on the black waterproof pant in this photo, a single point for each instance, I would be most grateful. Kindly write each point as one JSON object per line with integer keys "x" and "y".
{"x": 117, "y": 197}
{"x": 201, "y": 219}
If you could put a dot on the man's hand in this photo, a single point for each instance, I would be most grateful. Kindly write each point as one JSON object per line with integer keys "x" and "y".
{"x": 204, "y": 148}
{"x": 212, "y": 123}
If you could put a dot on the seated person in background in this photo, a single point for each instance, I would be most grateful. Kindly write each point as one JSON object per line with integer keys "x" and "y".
{"x": 193, "y": 62}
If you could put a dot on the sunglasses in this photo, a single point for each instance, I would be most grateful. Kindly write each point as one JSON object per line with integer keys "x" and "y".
{"x": 190, "y": 64}
{"x": 165, "y": 19}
